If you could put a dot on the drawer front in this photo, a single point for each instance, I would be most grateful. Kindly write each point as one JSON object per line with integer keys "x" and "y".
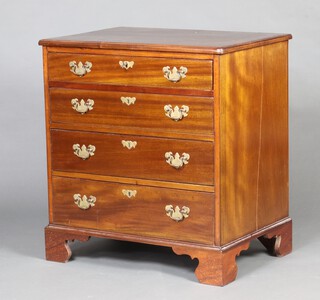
{"x": 132, "y": 209}
{"x": 173, "y": 113}
{"x": 104, "y": 69}
{"x": 133, "y": 156}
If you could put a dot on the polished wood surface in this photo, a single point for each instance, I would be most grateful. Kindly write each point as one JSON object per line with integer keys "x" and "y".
{"x": 131, "y": 89}
{"x": 142, "y": 215}
{"x": 170, "y": 40}
{"x": 273, "y": 183}
{"x": 240, "y": 96}
{"x": 236, "y": 133}
{"x": 143, "y": 182}
{"x": 215, "y": 267}
{"x": 147, "y": 112}
{"x": 145, "y": 72}
{"x": 279, "y": 240}
{"x": 47, "y": 124}
{"x": 57, "y": 248}
{"x": 253, "y": 139}
{"x": 147, "y": 160}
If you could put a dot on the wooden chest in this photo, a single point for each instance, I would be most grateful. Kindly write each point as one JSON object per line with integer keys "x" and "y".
{"x": 177, "y": 138}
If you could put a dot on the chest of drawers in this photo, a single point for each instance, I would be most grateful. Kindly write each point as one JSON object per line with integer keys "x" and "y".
{"x": 176, "y": 138}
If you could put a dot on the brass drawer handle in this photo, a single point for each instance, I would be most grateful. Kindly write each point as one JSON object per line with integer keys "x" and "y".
{"x": 128, "y": 100}
{"x": 83, "y": 151}
{"x": 176, "y": 161}
{"x": 126, "y": 64}
{"x": 177, "y": 214}
{"x": 129, "y": 144}
{"x": 177, "y": 113}
{"x": 174, "y": 75}
{"x": 83, "y": 106}
{"x": 84, "y": 202}
{"x": 80, "y": 69}
{"x": 129, "y": 193}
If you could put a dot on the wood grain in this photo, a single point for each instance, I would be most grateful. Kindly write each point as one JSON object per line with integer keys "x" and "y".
{"x": 142, "y": 215}
{"x": 57, "y": 248}
{"x": 146, "y": 160}
{"x": 236, "y": 132}
{"x": 279, "y": 240}
{"x": 147, "y": 113}
{"x": 123, "y": 52}
{"x": 215, "y": 267}
{"x": 253, "y": 139}
{"x": 167, "y": 40}
{"x": 126, "y": 180}
{"x": 273, "y": 181}
{"x": 240, "y": 108}
{"x": 47, "y": 124}
{"x": 145, "y": 72}
{"x": 131, "y": 88}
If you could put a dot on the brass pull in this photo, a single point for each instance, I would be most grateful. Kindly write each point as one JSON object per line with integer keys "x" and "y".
{"x": 174, "y": 75}
{"x": 177, "y": 113}
{"x": 128, "y": 100}
{"x": 80, "y": 69}
{"x": 126, "y": 64}
{"x": 84, "y": 202}
{"x": 129, "y": 144}
{"x": 83, "y": 151}
{"x": 176, "y": 161}
{"x": 83, "y": 106}
{"x": 129, "y": 193}
{"x": 177, "y": 214}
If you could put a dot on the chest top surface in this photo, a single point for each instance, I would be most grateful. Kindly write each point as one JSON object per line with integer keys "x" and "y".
{"x": 134, "y": 38}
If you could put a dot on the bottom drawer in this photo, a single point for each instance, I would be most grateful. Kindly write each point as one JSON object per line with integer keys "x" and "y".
{"x": 132, "y": 209}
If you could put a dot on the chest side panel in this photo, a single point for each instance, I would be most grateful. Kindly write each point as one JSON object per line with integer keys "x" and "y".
{"x": 253, "y": 140}
{"x": 240, "y": 109}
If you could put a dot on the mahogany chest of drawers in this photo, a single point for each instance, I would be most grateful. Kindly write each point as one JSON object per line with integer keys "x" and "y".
{"x": 177, "y": 138}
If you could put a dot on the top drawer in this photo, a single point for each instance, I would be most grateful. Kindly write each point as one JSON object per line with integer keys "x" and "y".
{"x": 133, "y": 71}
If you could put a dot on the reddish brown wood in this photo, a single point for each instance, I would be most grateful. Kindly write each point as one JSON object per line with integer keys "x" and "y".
{"x": 236, "y": 181}
{"x": 159, "y": 132}
{"x": 215, "y": 267}
{"x": 143, "y": 53}
{"x": 279, "y": 240}
{"x": 145, "y": 72}
{"x": 147, "y": 113}
{"x": 47, "y": 122}
{"x": 142, "y": 215}
{"x": 131, "y": 89}
{"x": 57, "y": 248}
{"x": 135, "y": 181}
{"x": 273, "y": 180}
{"x": 240, "y": 97}
{"x": 253, "y": 139}
{"x": 146, "y": 160}
{"x": 169, "y": 40}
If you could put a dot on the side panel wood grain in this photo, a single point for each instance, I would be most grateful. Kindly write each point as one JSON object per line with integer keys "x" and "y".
{"x": 48, "y": 136}
{"x": 273, "y": 175}
{"x": 147, "y": 160}
{"x": 142, "y": 215}
{"x": 253, "y": 140}
{"x": 240, "y": 109}
{"x": 145, "y": 72}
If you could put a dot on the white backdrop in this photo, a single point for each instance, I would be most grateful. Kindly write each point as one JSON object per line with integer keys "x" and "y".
{"x": 22, "y": 132}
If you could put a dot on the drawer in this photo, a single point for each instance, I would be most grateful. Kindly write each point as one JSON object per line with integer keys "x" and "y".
{"x": 157, "y": 112}
{"x": 134, "y": 209}
{"x": 105, "y": 69}
{"x": 133, "y": 156}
